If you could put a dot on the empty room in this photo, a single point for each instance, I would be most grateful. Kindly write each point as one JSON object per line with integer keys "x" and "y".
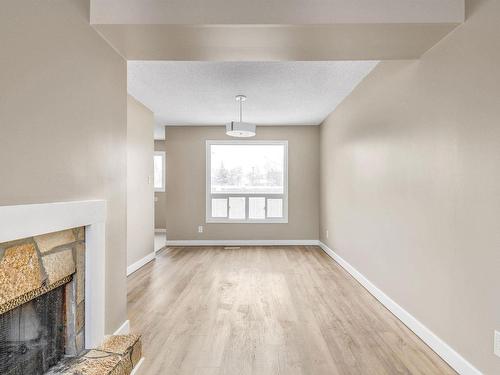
{"x": 267, "y": 187}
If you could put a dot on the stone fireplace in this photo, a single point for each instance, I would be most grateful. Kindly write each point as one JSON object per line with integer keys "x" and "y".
{"x": 52, "y": 272}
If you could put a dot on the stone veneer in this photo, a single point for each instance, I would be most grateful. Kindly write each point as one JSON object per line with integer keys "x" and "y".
{"x": 118, "y": 355}
{"x": 33, "y": 266}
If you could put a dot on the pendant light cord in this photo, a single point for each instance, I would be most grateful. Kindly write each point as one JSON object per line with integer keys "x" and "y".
{"x": 241, "y": 109}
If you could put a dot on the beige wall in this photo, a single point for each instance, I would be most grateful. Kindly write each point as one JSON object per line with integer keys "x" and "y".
{"x": 140, "y": 187}
{"x": 161, "y": 197}
{"x": 186, "y": 185}
{"x": 63, "y": 121}
{"x": 263, "y": 30}
{"x": 275, "y": 12}
{"x": 410, "y": 188}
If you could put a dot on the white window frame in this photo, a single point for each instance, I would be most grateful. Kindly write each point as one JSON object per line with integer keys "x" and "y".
{"x": 164, "y": 171}
{"x": 209, "y": 195}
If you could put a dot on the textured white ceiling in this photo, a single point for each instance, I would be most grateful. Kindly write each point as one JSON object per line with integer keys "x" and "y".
{"x": 279, "y": 93}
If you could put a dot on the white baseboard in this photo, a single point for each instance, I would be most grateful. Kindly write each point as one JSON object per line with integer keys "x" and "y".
{"x": 135, "y": 370}
{"x": 160, "y": 249}
{"x": 241, "y": 242}
{"x": 141, "y": 262}
{"x": 124, "y": 328}
{"x": 455, "y": 360}
{"x": 160, "y": 230}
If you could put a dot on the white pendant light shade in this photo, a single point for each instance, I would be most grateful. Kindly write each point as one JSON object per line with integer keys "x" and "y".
{"x": 240, "y": 129}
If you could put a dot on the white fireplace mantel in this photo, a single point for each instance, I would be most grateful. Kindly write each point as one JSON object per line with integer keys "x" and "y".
{"x": 22, "y": 221}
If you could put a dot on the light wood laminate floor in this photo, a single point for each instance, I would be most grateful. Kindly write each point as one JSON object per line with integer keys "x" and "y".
{"x": 266, "y": 310}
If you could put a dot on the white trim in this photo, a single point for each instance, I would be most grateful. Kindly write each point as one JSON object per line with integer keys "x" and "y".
{"x": 163, "y": 172}
{"x": 160, "y": 230}
{"x": 29, "y": 220}
{"x": 140, "y": 263}
{"x": 135, "y": 370}
{"x": 454, "y": 359}
{"x": 160, "y": 240}
{"x": 209, "y": 195}
{"x": 249, "y": 221}
{"x": 242, "y": 242}
{"x": 95, "y": 284}
{"x": 124, "y": 329}
{"x": 160, "y": 249}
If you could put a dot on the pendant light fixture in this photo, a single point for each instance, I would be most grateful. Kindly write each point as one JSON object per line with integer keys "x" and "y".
{"x": 240, "y": 129}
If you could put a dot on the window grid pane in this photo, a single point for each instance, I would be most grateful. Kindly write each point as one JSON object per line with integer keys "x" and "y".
{"x": 256, "y": 208}
{"x": 275, "y": 208}
{"x": 237, "y": 208}
{"x": 219, "y": 207}
{"x": 247, "y": 168}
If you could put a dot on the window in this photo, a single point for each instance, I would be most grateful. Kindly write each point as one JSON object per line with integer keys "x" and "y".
{"x": 247, "y": 182}
{"x": 159, "y": 170}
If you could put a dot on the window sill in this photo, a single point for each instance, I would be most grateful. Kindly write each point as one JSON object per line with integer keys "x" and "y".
{"x": 243, "y": 221}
